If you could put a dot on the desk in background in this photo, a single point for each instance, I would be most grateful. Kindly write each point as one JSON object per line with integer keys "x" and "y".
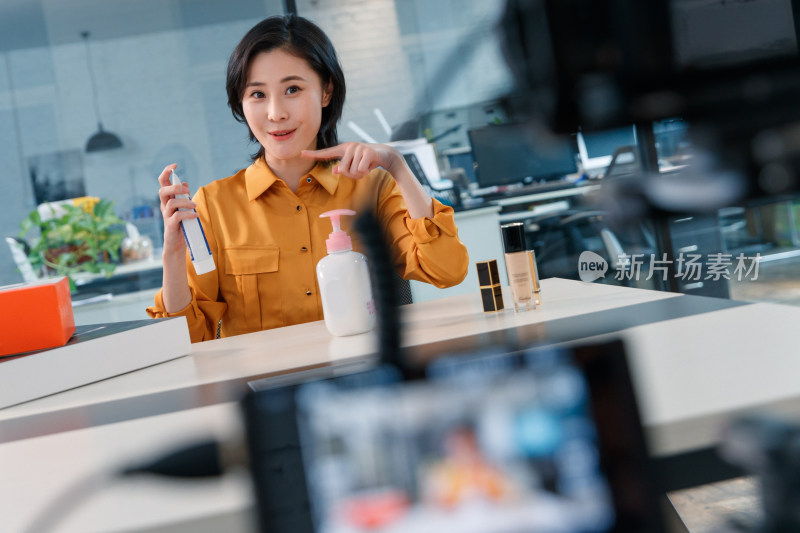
{"x": 548, "y": 196}
{"x": 115, "y": 307}
{"x": 121, "y": 297}
{"x": 128, "y": 277}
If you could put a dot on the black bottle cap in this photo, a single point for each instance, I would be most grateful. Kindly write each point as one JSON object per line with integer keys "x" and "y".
{"x": 514, "y": 237}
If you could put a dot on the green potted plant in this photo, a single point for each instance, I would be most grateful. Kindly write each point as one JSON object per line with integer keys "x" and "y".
{"x": 84, "y": 237}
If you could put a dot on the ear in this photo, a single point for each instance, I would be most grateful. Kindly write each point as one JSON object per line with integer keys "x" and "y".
{"x": 327, "y": 93}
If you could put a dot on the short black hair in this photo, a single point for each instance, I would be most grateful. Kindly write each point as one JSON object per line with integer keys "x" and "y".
{"x": 302, "y": 38}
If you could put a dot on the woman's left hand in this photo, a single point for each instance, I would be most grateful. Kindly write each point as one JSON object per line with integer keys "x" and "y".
{"x": 356, "y": 160}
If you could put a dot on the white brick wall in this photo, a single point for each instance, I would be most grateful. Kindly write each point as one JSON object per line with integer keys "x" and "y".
{"x": 367, "y": 39}
{"x": 443, "y": 54}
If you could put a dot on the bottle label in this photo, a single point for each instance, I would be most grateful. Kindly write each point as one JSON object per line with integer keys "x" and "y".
{"x": 519, "y": 276}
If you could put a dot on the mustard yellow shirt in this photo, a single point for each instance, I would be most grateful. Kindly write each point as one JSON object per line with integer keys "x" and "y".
{"x": 266, "y": 242}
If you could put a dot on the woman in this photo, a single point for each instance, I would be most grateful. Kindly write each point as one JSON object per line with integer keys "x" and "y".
{"x": 262, "y": 224}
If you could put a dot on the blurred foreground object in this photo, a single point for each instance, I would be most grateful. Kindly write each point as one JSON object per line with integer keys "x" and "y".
{"x": 731, "y": 69}
{"x": 770, "y": 449}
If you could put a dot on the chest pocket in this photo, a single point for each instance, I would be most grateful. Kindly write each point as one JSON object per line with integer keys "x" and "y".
{"x": 255, "y": 272}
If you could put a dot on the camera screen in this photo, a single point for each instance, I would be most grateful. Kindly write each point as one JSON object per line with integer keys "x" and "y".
{"x": 489, "y": 443}
{"x": 715, "y": 33}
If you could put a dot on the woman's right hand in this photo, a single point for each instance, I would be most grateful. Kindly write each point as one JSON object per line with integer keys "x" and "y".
{"x": 174, "y": 243}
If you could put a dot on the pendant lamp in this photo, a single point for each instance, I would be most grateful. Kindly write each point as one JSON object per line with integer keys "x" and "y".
{"x": 101, "y": 140}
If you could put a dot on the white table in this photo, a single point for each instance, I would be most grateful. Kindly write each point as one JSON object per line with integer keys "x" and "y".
{"x": 280, "y": 350}
{"x": 696, "y": 362}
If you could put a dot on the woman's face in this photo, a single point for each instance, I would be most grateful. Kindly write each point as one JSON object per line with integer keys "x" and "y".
{"x": 282, "y": 103}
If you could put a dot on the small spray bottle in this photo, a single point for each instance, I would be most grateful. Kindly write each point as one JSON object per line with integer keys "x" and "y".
{"x": 344, "y": 283}
{"x": 195, "y": 238}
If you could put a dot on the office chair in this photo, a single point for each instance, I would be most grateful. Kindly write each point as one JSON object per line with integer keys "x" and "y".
{"x": 560, "y": 238}
{"x": 403, "y": 287}
{"x": 618, "y": 260}
{"x": 624, "y": 162}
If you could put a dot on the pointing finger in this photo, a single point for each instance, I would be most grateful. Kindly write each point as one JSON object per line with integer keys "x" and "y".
{"x": 333, "y": 152}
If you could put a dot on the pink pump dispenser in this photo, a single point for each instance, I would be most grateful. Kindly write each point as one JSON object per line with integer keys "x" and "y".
{"x": 344, "y": 284}
{"x": 338, "y": 240}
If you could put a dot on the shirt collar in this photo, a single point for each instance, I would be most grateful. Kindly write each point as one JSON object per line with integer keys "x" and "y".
{"x": 259, "y": 177}
{"x": 323, "y": 173}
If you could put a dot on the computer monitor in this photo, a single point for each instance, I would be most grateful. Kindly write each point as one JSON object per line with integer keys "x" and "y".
{"x": 507, "y": 154}
{"x": 596, "y": 148}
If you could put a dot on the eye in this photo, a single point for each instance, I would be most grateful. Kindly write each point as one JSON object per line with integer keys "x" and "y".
{"x": 294, "y": 89}
{"x": 256, "y": 94}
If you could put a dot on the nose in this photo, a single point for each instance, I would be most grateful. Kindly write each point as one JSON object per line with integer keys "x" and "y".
{"x": 276, "y": 111}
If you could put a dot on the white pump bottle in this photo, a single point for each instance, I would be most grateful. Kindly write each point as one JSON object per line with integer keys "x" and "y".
{"x": 344, "y": 283}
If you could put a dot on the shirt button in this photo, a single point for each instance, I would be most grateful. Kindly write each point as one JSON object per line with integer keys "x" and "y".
{"x": 303, "y": 249}
{"x": 298, "y": 208}
{"x": 308, "y": 180}
{"x": 308, "y": 293}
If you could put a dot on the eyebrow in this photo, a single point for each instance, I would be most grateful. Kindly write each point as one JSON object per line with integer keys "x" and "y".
{"x": 284, "y": 80}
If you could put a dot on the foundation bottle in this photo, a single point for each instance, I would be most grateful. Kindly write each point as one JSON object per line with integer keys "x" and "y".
{"x": 518, "y": 266}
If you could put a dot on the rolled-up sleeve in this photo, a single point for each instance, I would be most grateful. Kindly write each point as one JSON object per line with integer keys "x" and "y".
{"x": 425, "y": 249}
{"x": 202, "y": 315}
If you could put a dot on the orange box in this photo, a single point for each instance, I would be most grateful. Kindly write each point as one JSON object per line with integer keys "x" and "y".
{"x": 35, "y": 316}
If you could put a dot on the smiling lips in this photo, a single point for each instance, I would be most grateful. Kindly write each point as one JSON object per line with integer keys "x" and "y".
{"x": 282, "y": 135}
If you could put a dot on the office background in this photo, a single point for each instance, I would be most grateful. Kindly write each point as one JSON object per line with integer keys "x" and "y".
{"x": 159, "y": 67}
{"x": 160, "y": 71}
